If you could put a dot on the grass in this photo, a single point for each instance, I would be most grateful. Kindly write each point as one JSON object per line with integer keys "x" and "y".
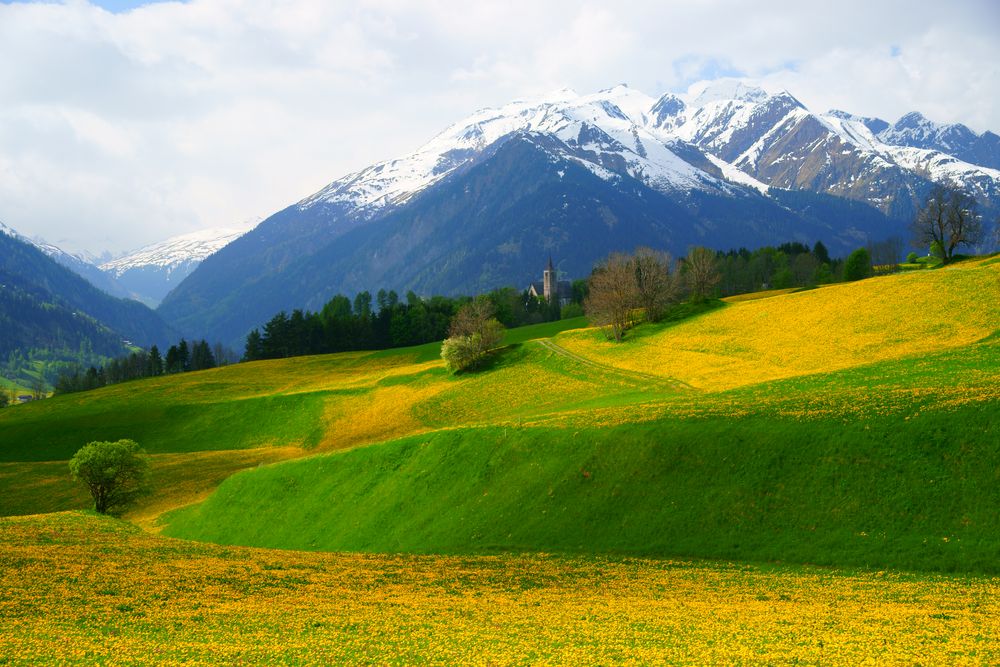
{"x": 150, "y": 600}
{"x": 920, "y": 495}
{"x": 845, "y": 425}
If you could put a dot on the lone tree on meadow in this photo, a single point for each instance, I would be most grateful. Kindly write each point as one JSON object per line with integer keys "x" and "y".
{"x": 114, "y": 472}
{"x": 701, "y": 267}
{"x": 474, "y": 331}
{"x": 947, "y": 220}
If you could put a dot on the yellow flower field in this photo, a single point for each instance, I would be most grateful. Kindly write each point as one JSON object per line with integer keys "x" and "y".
{"x": 83, "y": 589}
{"x": 814, "y": 331}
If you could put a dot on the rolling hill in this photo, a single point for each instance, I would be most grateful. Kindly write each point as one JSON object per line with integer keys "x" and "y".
{"x": 868, "y": 438}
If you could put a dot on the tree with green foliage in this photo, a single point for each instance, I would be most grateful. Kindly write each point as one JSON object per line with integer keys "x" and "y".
{"x": 155, "y": 362}
{"x": 858, "y": 265}
{"x": 820, "y": 252}
{"x": 115, "y": 473}
{"x": 912, "y": 258}
{"x": 254, "y": 348}
{"x": 474, "y": 331}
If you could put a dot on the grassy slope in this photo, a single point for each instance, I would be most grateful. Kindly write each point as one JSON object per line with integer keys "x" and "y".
{"x": 231, "y": 418}
{"x": 858, "y": 465}
{"x": 815, "y": 331}
{"x": 882, "y": 488}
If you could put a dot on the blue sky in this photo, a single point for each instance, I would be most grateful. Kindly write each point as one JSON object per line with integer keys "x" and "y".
{"x": 115, "y": 6}
{"x": 121, "y": 129}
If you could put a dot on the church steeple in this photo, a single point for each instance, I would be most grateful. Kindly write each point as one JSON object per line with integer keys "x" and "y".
{"x": 550, "y": 283}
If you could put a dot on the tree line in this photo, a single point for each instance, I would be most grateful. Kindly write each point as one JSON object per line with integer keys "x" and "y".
{"x": 344, "y": 325}
{"x": 180, "y": 358}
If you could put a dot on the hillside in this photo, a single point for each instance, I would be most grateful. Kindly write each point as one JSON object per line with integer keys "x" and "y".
{"x": 46, "y": 305}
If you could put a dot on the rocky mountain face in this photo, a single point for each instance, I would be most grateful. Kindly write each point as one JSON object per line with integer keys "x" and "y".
{"x": 775, "y": 139}
{"x": 483, "y": 203}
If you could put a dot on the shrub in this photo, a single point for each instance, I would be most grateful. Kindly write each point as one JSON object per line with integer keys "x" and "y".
{"x": 912, "y": 258}
{"x": 474, "y": 332}
{"x": 858, "y": 265}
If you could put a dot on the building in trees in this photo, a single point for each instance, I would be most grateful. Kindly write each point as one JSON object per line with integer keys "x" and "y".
{"x": 551, "y": 288}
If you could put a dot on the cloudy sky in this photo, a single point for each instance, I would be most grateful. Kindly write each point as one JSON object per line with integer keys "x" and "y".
{"x": 122, "y": 123}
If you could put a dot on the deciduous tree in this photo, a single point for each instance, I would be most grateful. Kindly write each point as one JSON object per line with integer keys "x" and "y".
{"x": 114, "y": 472}
{"x": 613, "y": 295}
{"x": 473, "y": 332}
{"x": 702, "y": 271}
{"x": 656, "y": 284}
{"x": 948, "y": 219}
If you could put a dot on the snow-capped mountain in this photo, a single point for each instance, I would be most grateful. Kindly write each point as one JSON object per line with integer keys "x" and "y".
{"x": 82, "y": 264}
{"x": 605, "y": 132}
{"x": 725, "y": 165}
{"x": 777, "y": 140}
{"x": 152, "y": 271}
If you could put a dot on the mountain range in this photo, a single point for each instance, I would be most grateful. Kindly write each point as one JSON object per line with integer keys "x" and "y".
{"x": 575, "y": 176}
{"x": 46, "y": 306}
{"x": 146, "y": 274}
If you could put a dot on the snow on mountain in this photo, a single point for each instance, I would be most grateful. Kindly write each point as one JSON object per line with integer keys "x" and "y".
{"x": 83, "y": 264}
{"x": 4, "y": 229}
{"x": 610, "y": 132}
{"x": 916, "y": 131}
{"x": 176, "y": 251}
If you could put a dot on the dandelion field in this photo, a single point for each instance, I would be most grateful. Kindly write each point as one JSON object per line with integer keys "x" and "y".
{"x": 852, "y": 426}
{"x": 80, "y": 589}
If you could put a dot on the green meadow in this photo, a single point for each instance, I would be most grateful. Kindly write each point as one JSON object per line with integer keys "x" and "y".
{"x": 853, "y": 425}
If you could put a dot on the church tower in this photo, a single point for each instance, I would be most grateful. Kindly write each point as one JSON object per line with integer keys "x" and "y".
{"x": 550, "y": 284}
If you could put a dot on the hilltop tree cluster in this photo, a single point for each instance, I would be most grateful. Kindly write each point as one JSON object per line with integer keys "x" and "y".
{"x": 626, "y": 288}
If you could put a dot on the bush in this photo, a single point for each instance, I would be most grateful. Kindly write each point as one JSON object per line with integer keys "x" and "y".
{"x": 858, "y": 265}
{"x": 912, "y": 258}
{"x": 114, "y": 472}
{"x": 474, "y": 332}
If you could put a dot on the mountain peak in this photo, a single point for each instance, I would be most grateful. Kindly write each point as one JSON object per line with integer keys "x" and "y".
{"x": 723, "y": 90}
{"x": 912, "y": 119}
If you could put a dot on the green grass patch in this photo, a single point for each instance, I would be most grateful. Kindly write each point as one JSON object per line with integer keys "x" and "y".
{"x": 923, "y": 494}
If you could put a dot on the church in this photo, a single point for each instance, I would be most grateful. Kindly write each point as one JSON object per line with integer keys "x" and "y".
{"x": 551, "y": 288}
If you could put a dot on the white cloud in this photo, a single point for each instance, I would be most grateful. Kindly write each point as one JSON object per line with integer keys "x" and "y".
{"x": 121, "y": 129}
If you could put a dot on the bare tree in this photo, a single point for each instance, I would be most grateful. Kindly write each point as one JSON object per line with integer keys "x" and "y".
{"x": 950, "y": 219}
{"x": 656, "y": 285}
{"x": 885, "y": 255}
{"x": 702, "y": 270}
{"x": 472, "y": 317}
{"x": 613, "y": 295}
